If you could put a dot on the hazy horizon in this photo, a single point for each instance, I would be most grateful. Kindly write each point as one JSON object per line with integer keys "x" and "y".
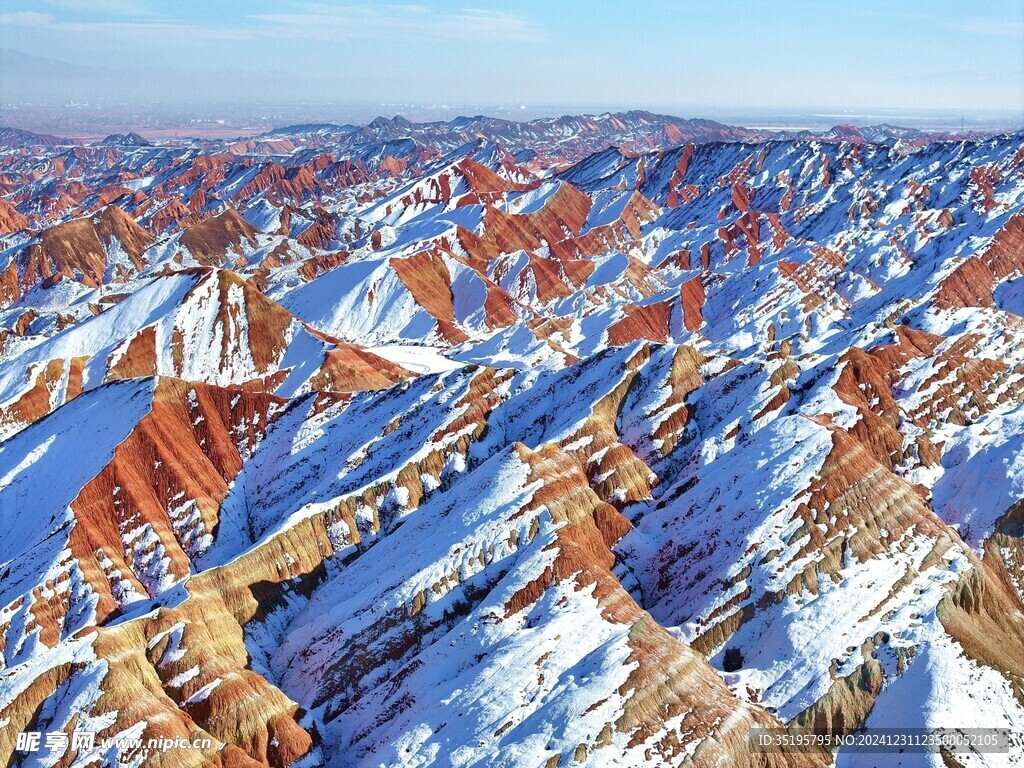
{"x": 87, "y": 122}
{"x": 948, "y": 59}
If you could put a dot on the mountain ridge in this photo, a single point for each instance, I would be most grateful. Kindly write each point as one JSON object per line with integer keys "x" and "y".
{"x": 397, "y": 126}
{"x": 383, "y": 453}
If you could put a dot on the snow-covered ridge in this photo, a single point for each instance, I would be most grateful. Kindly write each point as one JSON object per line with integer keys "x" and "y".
{"x": 578, "y": 442}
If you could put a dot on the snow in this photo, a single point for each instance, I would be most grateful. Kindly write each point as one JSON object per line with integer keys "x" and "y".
{"x": 1010, "y": 296}
{"x": 416, "y": 359}
{"x": 362, "y": 300}
{"x": 204, "y": 693}
{"x": 35, "y": 511}
{"x": 944, "y": 688}
{"x": 351, "y": 448}
{"x": 401, "y": 650}
{"x": 983, "y": 475}
{"x": 544, "y": 714}
{"x": 98, "y": 337}
{"x": 183, "y": 677}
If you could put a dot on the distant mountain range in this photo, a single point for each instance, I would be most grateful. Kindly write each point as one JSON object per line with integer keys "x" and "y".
{"x": 571, "y": 136}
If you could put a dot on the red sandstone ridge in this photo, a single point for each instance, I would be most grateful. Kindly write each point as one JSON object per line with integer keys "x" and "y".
{"x": 244, "y": 339}
{"x": 211, "y": 240}
{"x": 10, "y": 219}
{"x": 650, "y": 321}
{"x": 693, "y": 298}
{"x": 972, "y": 283}
{"x": 81, "y": 250}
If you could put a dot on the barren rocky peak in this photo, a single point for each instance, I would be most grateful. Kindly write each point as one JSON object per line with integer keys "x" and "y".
{"x": 576, "y": 442}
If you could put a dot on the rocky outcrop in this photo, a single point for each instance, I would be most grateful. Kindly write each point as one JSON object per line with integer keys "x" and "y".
{"x": 394, "y": 445}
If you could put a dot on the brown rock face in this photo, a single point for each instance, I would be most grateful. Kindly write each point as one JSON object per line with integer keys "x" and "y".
{"x": 348, "y": 368}
{"x": 211, "y": 240}
{"x": 972, "y": 283}
{"x": 650, "y": 321}
{"x": 10, "y": 219}
{"x": 79, "y": 249}
{"x": 115, "y": 225}
{"x": 428, "y": 280}
{"x": 693, "y": 297}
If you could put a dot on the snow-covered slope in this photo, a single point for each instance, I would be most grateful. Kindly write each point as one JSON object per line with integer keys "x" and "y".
{"x": 482, "y": 443}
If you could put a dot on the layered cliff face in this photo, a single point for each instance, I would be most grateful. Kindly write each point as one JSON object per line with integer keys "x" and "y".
{"x": 381, "y": 453}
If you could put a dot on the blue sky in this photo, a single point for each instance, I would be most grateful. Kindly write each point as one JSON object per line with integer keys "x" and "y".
{"x": 784, "y": 53}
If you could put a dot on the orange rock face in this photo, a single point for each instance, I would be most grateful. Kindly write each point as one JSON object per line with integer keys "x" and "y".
{"x": 78, "y": 249}
{"x": 10, "y": 219}
{"x": 210, "y": 240}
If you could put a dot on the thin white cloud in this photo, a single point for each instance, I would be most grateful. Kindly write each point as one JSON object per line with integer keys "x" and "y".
{"x": 122, "y": 30}
{"x": 306, "y": 21}
{"x": 108, "y": 7}
{"x": 987, "y": 27}
{"x": 26, "y": 19}
{"x": 984, "y": 26}
{"x": 338, "y": 23}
